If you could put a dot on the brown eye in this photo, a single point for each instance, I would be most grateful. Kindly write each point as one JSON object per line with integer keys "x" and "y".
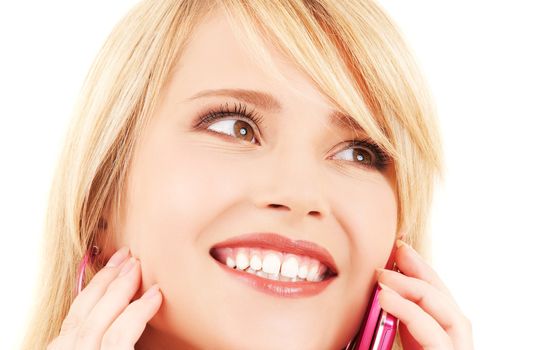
{"x": 243, "y": 129}
{"x": 359, "y": 155}
{"x": 236, "y": 128}
{"x": 362, "y": 156}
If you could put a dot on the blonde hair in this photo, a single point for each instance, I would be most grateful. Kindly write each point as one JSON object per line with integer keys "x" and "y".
{"x": 351, "y": 50}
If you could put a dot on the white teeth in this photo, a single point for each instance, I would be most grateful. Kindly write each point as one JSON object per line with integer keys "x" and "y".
{"x": 322, "y": 270}
{"x": 275, "y": 265}
{"x": 242, "y": 259}
{"x": 256, "y": 262}
{"x": 271, "y": 263}
{"x": 289, "y": 268}
{"x": 230, "y": 262}
{"x": 313, "y": 271}
{"x": 303, "y": 270}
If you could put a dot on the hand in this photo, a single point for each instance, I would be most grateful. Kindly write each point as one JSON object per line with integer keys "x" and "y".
{"x": 101, "y": 317}
{"x": 429, "y": 316}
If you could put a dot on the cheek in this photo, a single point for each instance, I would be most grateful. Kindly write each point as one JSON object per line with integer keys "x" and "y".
{"x": 369, "y": 212}
{"x": 175, "y": 189}
{"x": 375, "y": 227}
{"x": 367, "y": 204}
{"x": 377, "y": 220}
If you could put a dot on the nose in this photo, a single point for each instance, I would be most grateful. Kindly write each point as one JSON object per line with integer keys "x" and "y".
{"x": 292, "y": 184}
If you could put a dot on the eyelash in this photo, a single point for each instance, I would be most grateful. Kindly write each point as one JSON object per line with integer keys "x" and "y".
{"x": 380, "y": 163}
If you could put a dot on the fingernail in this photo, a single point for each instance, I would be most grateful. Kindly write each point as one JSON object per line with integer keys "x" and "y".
{"x": 385, "y": 287}
{"x": 128, "y": 266}
{"x": 379, "y": 271}
{"x": 118, "y": 257}
{"x": 400, "y": 243}
{"x": 151, "y": 292}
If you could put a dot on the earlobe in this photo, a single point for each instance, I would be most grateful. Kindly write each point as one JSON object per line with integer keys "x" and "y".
{"x": 102, "y": 242}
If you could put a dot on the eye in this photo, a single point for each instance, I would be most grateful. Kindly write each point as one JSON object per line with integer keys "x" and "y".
{"x": 237, "y": 127}
{"x": 365, "y": 153}
{"x": 360, "y": 152}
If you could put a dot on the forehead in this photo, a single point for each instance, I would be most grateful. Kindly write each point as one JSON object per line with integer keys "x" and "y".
{"x": 215, "y": 56}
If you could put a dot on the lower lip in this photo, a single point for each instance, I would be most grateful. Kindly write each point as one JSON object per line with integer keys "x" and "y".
{"x": 278, "y": 288}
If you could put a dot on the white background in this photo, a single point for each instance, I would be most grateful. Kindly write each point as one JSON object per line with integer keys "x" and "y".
{"x": 488, "y": 65}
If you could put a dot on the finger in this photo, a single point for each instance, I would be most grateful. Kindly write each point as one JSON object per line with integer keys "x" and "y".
{"x": 424, "y": 329}
{"x": 110, "y": 306}
{"x": 127, "y": 329}
{"x": 412, "y": 264}
{"x": 433, "y": 301}
{"x": 89, "y": 296}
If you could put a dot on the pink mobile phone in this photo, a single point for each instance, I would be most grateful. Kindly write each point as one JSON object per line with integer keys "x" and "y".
{"x": 378, "y": 328}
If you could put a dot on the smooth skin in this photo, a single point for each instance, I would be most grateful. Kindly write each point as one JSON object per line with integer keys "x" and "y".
{"x": 101, "y": 316}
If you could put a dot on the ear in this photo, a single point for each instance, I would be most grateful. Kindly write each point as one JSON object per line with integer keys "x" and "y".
{"x": 104, "y": 239}
{"x": 108, "y": 237}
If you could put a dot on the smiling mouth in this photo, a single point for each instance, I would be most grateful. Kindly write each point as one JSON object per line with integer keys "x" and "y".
{"x": 273, "y": 265}
{"x": 273, "y": 284}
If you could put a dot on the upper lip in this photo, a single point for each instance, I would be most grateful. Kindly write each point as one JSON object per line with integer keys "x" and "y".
{"x": 274, "y": 241}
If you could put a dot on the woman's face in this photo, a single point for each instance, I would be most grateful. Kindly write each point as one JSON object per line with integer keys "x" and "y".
{"x": 191, "y": 188}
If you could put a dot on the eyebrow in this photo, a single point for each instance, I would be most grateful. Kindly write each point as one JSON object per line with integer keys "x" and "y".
{"x": 270, "y": 103}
